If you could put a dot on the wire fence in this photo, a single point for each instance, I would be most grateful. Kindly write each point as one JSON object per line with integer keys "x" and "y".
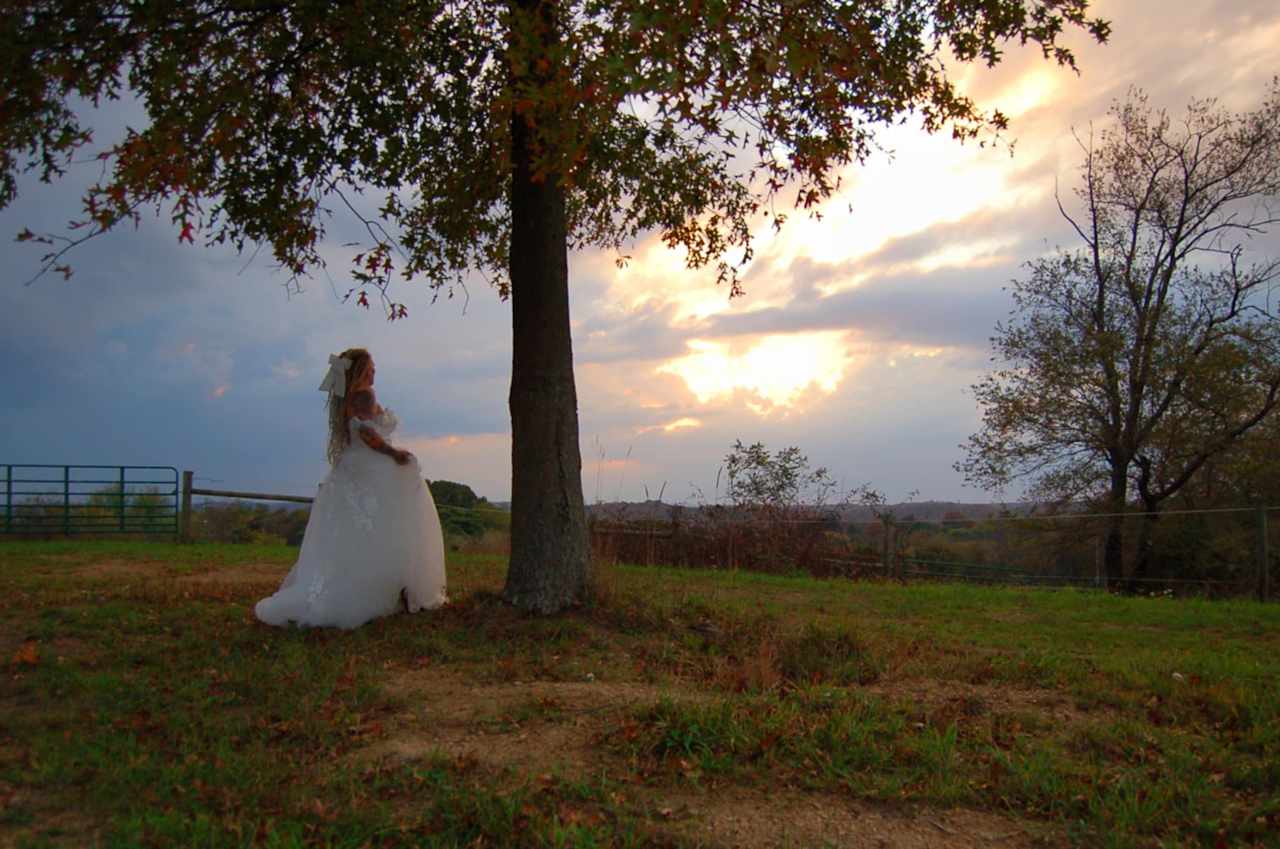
{"x": 1216, "y": 552}
{"x": 229, "y": 515}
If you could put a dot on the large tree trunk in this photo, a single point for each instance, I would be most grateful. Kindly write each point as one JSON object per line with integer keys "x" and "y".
{"x": 1113, "y": 553}
{"x": 1113, "y": 549}
{"x": 1143, "y": 560}
{"x": 549, "y": 544}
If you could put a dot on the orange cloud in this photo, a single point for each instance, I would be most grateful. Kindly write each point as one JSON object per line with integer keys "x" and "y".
{"x": 777, "y": 370}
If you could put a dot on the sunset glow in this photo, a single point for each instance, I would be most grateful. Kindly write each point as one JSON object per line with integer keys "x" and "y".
{"x": 1029, "y": 91}
{"x": 776, "y": 369}
{"x": 884, "y": 202}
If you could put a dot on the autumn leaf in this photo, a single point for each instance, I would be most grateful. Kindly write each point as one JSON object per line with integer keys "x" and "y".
{"x": 321, "y": 810}
{"x": 27, "y": 654}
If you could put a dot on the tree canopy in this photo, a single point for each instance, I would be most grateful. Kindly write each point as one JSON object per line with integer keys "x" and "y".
{"x": 1134, "y": 359}
{"x": 684, "y": 118}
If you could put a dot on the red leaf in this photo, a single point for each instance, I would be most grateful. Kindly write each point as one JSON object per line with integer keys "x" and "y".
{"x": 27, "y": 654}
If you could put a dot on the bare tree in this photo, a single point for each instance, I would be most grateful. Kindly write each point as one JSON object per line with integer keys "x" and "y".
{"x": 1132, "y": 360}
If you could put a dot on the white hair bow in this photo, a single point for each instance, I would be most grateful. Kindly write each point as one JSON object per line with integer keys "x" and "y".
{"x": 335, "y": 382}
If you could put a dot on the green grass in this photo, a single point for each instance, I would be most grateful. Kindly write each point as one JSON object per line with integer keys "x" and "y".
{"x": 142, "y": 706}
{"x": 1174, "y": 736}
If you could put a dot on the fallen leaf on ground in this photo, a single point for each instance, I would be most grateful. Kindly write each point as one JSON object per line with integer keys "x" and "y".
{"x": 27, "y": 654}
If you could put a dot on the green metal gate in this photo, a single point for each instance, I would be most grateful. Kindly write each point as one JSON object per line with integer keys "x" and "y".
{"x": 41, "y": 501}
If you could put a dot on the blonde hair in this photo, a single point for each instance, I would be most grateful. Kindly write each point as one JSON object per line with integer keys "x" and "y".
{"x": 340, "y": 405}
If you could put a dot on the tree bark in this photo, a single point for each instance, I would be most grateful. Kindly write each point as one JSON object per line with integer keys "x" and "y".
{"x": 1143, "y": 559}
{"x": 1113, "y": 553}
{"x": 1113, "y": 549}
{"x": 550, "y": 553}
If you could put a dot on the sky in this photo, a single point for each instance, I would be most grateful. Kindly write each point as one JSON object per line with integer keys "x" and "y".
{"x": 857, "y": 341}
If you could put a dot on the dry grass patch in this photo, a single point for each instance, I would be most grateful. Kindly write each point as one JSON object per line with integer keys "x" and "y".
{"x": 949, "y": 701}
{"x": 787, "y": 818}
{"x": 240, "y": 573}
{"x": 528, "y": 727}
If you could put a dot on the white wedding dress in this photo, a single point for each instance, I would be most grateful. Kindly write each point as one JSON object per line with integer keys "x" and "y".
{"x": 373, "y": 533}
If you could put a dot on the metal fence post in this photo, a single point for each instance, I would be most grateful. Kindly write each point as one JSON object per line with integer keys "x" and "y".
{"x": 120, "y": 498}
{"x": 66, "y": 500}
{"x": 184, "y": 523}
{"x": 1264, "y": 557}
{"x": 8, "y": 498}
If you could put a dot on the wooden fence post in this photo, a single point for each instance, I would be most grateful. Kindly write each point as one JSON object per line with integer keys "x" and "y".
{"x": 886, "y": 548}
{"x": 184, "y": 522}
{"x": 1264, "y": 557}
{"x": 899, "y": 568}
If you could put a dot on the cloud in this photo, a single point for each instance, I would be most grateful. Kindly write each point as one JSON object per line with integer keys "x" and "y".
{"x": 681, "y": 423}
{"x": 612, "y": 333}
{"x": 287, "y": 370}
{"x": 776, "y": 370}
{"x": 945, "y": 308}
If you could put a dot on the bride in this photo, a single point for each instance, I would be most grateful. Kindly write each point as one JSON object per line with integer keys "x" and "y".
{"x": 373, "y": 543}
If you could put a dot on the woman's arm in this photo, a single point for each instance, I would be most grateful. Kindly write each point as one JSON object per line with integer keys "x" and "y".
{"x": 365, "y": 406}
{"x": 371, "y": 438}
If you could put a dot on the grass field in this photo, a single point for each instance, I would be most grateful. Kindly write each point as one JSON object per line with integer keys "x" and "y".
{"x": 142, "y": 705}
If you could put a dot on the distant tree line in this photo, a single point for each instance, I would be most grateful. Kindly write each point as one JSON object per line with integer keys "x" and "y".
{"x": 248, "y": 522}
{"x": 462, "y": 513}
{"x": 781, "y": 517}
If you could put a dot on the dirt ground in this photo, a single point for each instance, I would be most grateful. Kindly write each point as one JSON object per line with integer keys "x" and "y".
{"x": 538, "y": 728}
